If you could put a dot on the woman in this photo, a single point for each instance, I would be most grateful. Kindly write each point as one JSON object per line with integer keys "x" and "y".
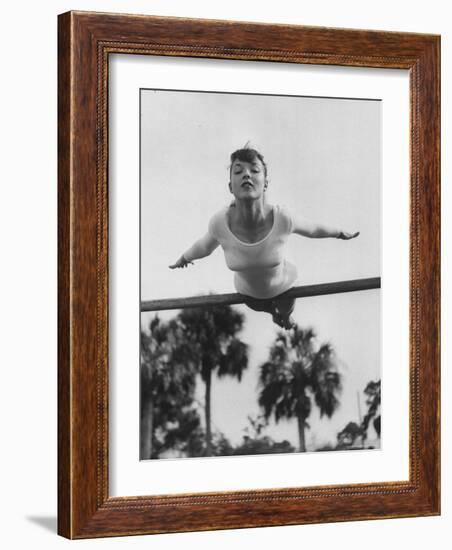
{"x": 252, "y": 234}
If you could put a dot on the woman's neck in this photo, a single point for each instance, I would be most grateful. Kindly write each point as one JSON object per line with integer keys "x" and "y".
{"x": 250, "y": 213}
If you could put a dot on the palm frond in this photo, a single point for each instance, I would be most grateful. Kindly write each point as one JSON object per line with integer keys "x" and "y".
{"x": 234, "y": 360}
{"x": 326, "y": 381}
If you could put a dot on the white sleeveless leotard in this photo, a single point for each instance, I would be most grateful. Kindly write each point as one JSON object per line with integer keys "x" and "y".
{"x": 260, "y": 270}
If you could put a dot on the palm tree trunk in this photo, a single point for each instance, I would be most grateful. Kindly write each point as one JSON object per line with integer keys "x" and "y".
{"x": 146, "y": 429}
{"x": 208, "y": 381}
{"x": 301, "y": 434}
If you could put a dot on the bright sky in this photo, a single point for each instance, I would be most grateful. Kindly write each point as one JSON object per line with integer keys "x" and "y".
{"x": 323, "y": 158}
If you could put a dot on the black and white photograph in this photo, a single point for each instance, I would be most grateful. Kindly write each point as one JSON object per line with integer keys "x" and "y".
{"x": 260, "y": 245}
{"x": 224, "y": 236}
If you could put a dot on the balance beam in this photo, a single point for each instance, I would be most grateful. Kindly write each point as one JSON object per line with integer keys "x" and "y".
{"x": 231, "y": 299}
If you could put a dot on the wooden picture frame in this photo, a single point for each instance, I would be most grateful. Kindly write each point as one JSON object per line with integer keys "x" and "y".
{"x": 85, "y": 42}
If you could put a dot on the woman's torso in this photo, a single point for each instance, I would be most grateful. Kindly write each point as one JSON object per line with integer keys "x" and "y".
{"x": 260, "y": 269}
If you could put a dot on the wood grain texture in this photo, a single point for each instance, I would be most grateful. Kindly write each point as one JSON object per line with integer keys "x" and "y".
{"x": 85, "y": 42}
{"x": 64, "y": 294}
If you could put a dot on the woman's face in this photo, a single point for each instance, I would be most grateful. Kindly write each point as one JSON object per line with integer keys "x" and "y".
{"x": 248, "y": 180}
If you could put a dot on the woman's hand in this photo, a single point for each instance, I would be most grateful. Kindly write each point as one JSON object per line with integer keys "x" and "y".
{"x": 181, "y": 262}
{"x": 347, "y": 236}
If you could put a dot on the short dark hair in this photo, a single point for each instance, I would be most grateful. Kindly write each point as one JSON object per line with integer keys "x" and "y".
{"x": 247, "y": 154}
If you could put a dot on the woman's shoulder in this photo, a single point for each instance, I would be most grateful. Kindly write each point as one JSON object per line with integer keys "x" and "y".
{"x": 217, "y": 222}
{"x": 283, "y": 212}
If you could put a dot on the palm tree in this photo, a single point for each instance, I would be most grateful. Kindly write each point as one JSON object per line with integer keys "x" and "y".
{"x": 211, "y": 336}
{"x": 167, "y": 380}
{"x": 295, "y": 373}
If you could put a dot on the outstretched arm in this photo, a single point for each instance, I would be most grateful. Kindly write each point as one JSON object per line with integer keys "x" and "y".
{"x": 203, "y": 247}
{"x": 318, "y": 231}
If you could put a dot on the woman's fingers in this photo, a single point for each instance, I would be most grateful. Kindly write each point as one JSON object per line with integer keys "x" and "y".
{"x": 182, "y": 262}
{"x": 348, "y": 236}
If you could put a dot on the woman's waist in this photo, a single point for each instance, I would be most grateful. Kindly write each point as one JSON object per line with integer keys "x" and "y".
{"x": 252, "y": 266}
{"x": 265, "y": 282}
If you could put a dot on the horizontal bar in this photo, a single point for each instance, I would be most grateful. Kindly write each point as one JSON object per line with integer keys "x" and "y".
{"x": 230, "y": 299}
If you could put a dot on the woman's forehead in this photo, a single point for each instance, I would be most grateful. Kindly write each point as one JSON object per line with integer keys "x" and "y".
{"x": 255, "y": 160}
